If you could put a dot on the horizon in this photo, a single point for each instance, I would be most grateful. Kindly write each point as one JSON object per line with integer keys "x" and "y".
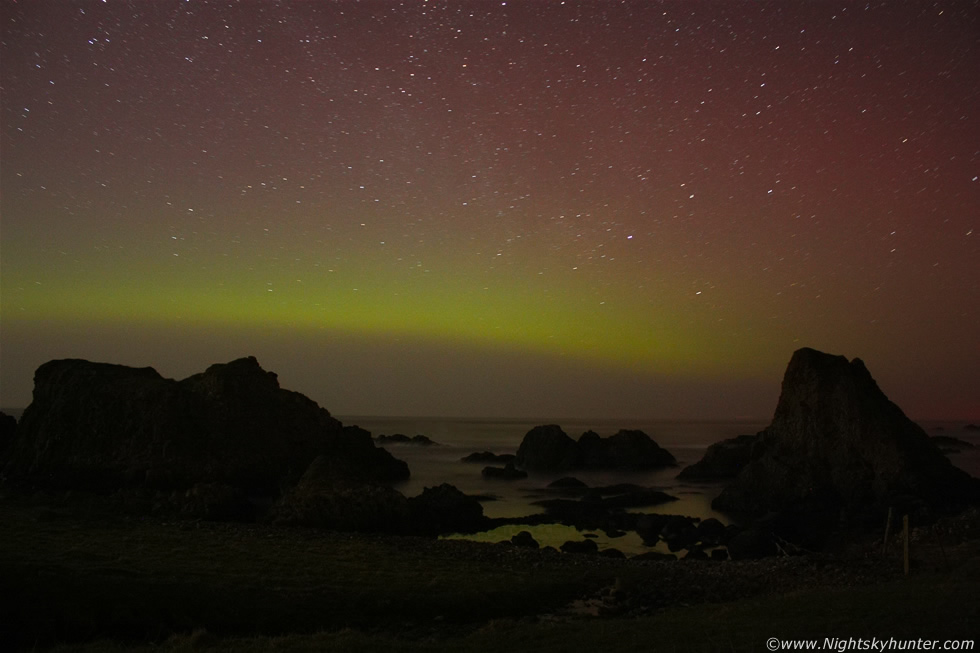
{"x": 480, "y": 208}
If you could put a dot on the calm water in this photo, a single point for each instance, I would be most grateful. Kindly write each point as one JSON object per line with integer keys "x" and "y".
{"x": 460, "y": 437}
{"x": 686, "y": 440}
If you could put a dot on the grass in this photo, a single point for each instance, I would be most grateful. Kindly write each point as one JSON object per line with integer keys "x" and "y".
{"x": 103, "y": 584}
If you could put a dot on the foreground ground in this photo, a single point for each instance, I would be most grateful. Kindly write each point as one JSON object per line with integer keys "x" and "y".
{"x": 75, "y": 577}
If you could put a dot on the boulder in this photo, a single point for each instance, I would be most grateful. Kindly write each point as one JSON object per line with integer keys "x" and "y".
{"x": 525, "y": 539}
{"x": 445, "y": 509}
{"x": 710, "y": 532}
{"x": 837, "y": 441}
{"x": 549, "y": 449}
{"x": 400, "y": 438}
{"x": 99, "y": 426}
{"x": 487, "y": 457}
{"x": 568, "y": 482}
{"x": 626, "y": 450}
{"x": 752, "y": 544}
{"x": 588, "y": 547}
{"x": 506, "y": 473}
{"x": 722, "y": 460}
{"x": 948, "y": 444}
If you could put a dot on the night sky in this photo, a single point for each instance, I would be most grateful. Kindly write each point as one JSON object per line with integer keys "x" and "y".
{"x": 519, "y": 208}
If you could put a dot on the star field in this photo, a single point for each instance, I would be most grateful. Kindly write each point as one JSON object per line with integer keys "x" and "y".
{"x": 662, "y": 196}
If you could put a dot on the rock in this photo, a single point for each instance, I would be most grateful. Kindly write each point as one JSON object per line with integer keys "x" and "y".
{"x": 217, "y": 502}
{"x": 695, "y": 554}
{"x": 524, "y": 539}
{"x": 751, "y": 544}
{"x": 400, "y": 438}
{"x": 507, "y": 473}
{"x": 710, "y": 532}
{"x": 568, "y": 482}
{"x": 679, "y": 532}
{"x": 719, "y": 554}
{"x": 649, "y": 526}
{"x": 582, "y": 546}
{"x": 971, "y": 427}
{"x": 948, "y": 444}
{"x": 549, "y": 449}
{"x": 8, "y": 429}
{"x": 639, "y": 498}
{"x": 722, "y": 460}
{"x": 101, "y": 427}
{"x": 612, "y": 553}
{"x": 484, "y": 457}
{"x": 445, "y": 509}
{"x": 627, "y": 450}
{"x": 836, "y": 440}
{"x": 362, "y": 508}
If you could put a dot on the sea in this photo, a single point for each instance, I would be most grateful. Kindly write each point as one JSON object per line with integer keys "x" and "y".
{"x": 686, "y": 440}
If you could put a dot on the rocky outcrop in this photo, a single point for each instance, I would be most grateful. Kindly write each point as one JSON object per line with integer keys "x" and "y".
{"x": 837, "y": 442}
{"x": 506, "y": 473}
{"x": 549, "y": 449}
{"x": 101, "y": 427}
{"x": 445, "y": 509}
{"x": 8, "y": 428}
{"x": 401, "y": 438}
{"x": 949, "y": 444}
{"x": 488, "y": 457}
{"x": 722, "y": 460}
{"x": 627, "y": 450}
{"x": 322, "y": 500}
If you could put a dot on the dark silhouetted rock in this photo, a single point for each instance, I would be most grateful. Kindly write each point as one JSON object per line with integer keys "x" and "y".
{"x": 549, "y": 449}
{"x": 837, "y": 440}
{"x": 752, "y": 544}
{"x": 719, "y": 554}
{"x": 8, "y": 429}
{"x": 100, "y": 426}
{"x": 581, "y": 546}
{"x": 638, "y": 498}
{"x": 400, "y": 438}
{"x": 695, "y": 554}
{"x": 949, "y": 444}
{"x": 612, "y": 553}
{"x": 487, "y": 457}
{"x": 722, "y": 461}
{"x": 319, "y": 500}
{"x": 971, "y": 427}
{"x": 524, "y": 539}
{"x": 217, "y": 502}
{"x": 445, "y": 509}
{"x": 627, "y": 450}
{"x": 507, "y": 473}
{"x": 710, "y": 532}
{"x": 568, "y": 482}
{"x": 679, "y": 532}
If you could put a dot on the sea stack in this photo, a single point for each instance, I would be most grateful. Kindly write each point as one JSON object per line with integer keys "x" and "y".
{"x": 837, "y": 442}
{"x": 98, "y": 426}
